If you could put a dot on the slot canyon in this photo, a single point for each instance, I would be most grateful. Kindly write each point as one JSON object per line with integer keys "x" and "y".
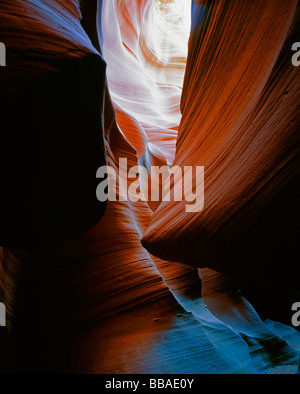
{"x": 135, "y": 286}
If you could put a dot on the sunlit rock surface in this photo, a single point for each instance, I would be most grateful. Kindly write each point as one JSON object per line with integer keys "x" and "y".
{"x": 101, "y": 303}
{"x": 145, "y": 47}
{"x": 240, "y": 121}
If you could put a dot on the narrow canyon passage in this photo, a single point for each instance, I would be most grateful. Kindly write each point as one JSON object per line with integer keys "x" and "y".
{"x": 138, "y": 286}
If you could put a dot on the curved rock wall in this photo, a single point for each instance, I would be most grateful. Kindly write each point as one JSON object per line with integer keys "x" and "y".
{"x": 51, "y": 102}
{"x": 240, "y": 121}
{"x": 100, "y": 302}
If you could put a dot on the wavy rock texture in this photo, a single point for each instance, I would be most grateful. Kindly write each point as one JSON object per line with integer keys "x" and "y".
{"x": 240, "y": 121}
{"x": 100, "y": 303}
{"x": 49, "y": 159}
{"x": 145, "y": 47}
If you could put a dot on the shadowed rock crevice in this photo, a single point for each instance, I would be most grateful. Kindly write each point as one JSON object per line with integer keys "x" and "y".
{"x": 83, "y": 290}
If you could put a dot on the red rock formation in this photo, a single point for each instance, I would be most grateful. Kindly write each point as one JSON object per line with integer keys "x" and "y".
{"x": 51, "y": 93}
{"x": 240, "y": 121}
{"x": 100, "y": 302}
{"x": 145, "y": 48}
